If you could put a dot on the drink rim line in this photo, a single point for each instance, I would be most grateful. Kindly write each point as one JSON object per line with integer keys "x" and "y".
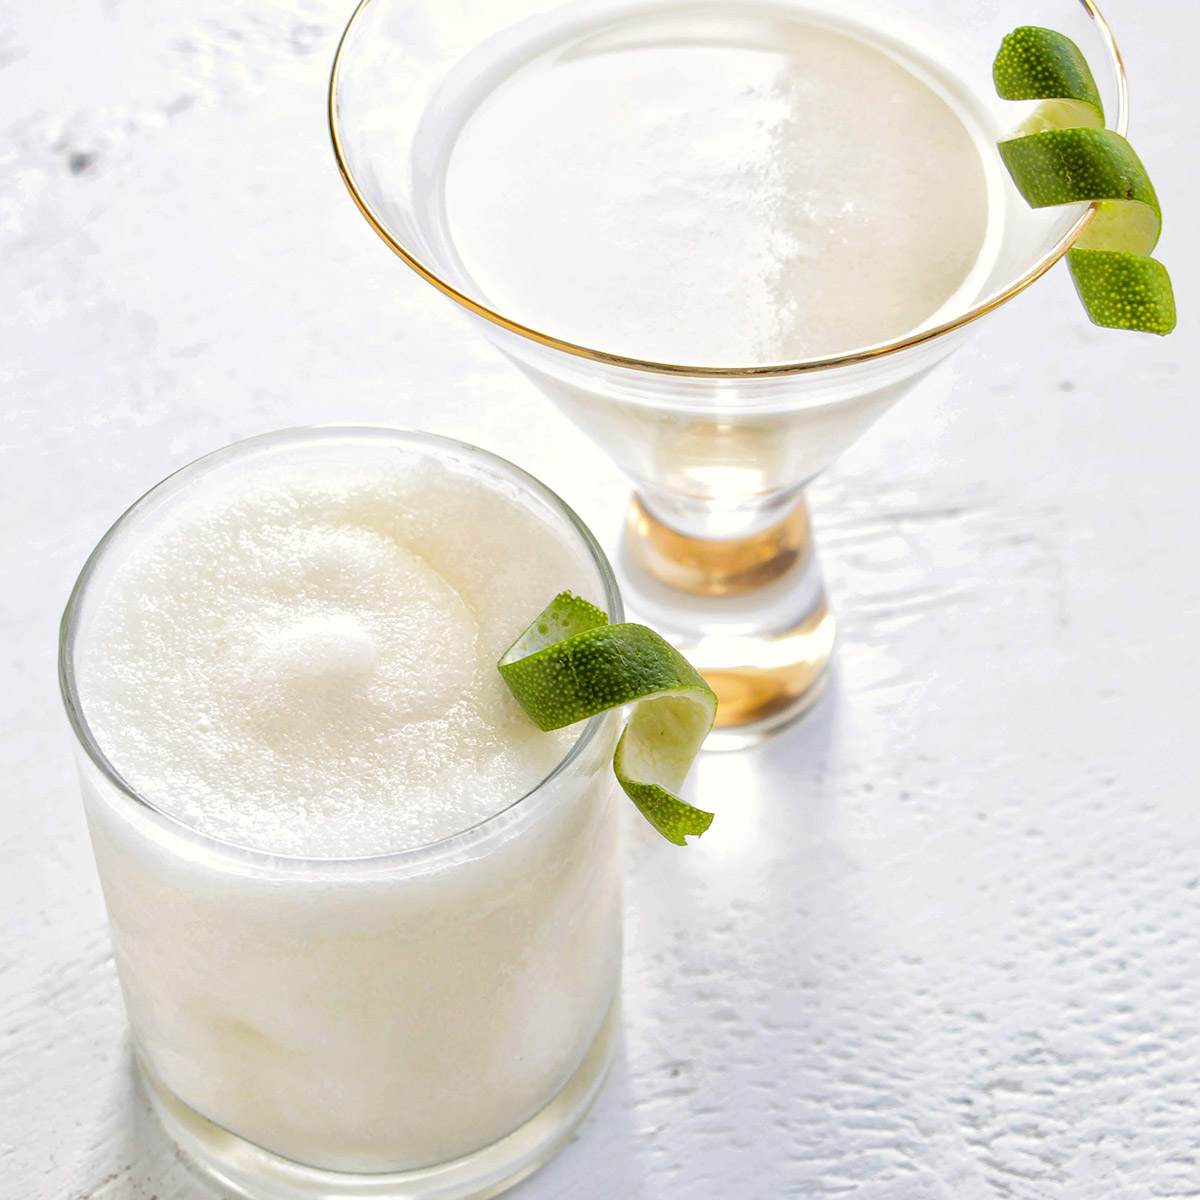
{"x": 412, "y": 856}
{"x": 770, "y": 370}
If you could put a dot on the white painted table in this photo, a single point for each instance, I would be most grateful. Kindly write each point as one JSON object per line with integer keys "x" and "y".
{"x": 943, "y": 940}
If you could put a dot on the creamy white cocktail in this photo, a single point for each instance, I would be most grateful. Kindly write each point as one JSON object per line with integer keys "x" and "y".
{"x": 365, "y": 914}
{"x": 724, "y": 184}
{"x": 718, "y": 185}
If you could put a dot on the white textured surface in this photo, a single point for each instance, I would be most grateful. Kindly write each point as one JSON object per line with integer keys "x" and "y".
{"x": 944, "y": 938}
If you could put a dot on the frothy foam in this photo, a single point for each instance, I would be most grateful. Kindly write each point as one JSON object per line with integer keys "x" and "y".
{"x": 302, "y": 659}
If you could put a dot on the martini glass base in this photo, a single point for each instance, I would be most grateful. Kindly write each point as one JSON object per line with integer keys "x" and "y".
{"x": 749, "y": 613}
{"x": 251, "y": 1172}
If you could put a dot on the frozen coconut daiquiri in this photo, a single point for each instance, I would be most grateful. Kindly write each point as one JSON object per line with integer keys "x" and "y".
{"x": 366, "y": 914}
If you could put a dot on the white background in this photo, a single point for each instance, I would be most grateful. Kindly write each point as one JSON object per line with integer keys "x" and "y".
{"x": 943, "y": 940}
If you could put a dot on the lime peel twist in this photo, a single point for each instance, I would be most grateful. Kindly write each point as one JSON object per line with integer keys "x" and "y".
{"x": 571, "y": 664}
{"x": 1064, "y": 155}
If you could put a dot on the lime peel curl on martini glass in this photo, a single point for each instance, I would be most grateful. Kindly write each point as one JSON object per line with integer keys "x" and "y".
{"x": 1063, "y": 155}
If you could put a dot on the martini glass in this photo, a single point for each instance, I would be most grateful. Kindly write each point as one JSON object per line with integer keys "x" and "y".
{"x": 718, "y": 552}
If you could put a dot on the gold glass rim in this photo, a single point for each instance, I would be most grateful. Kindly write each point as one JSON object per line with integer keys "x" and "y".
{"x": 867, "y": 354}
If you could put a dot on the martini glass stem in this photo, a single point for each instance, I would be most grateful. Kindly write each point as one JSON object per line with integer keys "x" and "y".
{"x": 749, "y": 612}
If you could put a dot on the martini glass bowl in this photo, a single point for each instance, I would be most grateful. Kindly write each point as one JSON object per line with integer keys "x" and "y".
{"x": 718, "y": 552}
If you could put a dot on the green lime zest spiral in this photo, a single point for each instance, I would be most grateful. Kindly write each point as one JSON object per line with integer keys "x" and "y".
{"x": 1063, "y": 154}
{"x": 571, "y": 664}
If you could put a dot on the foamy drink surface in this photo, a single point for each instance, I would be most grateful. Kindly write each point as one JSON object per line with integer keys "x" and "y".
{"x": 301, "y": 658}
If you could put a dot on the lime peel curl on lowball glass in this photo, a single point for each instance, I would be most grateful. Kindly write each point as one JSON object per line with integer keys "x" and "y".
{"x": 571, "y": 664}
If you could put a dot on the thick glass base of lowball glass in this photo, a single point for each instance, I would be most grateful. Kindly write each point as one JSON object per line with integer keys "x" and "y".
{"x": 257, "y": 1174}
{"x": 749, "y": 613}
